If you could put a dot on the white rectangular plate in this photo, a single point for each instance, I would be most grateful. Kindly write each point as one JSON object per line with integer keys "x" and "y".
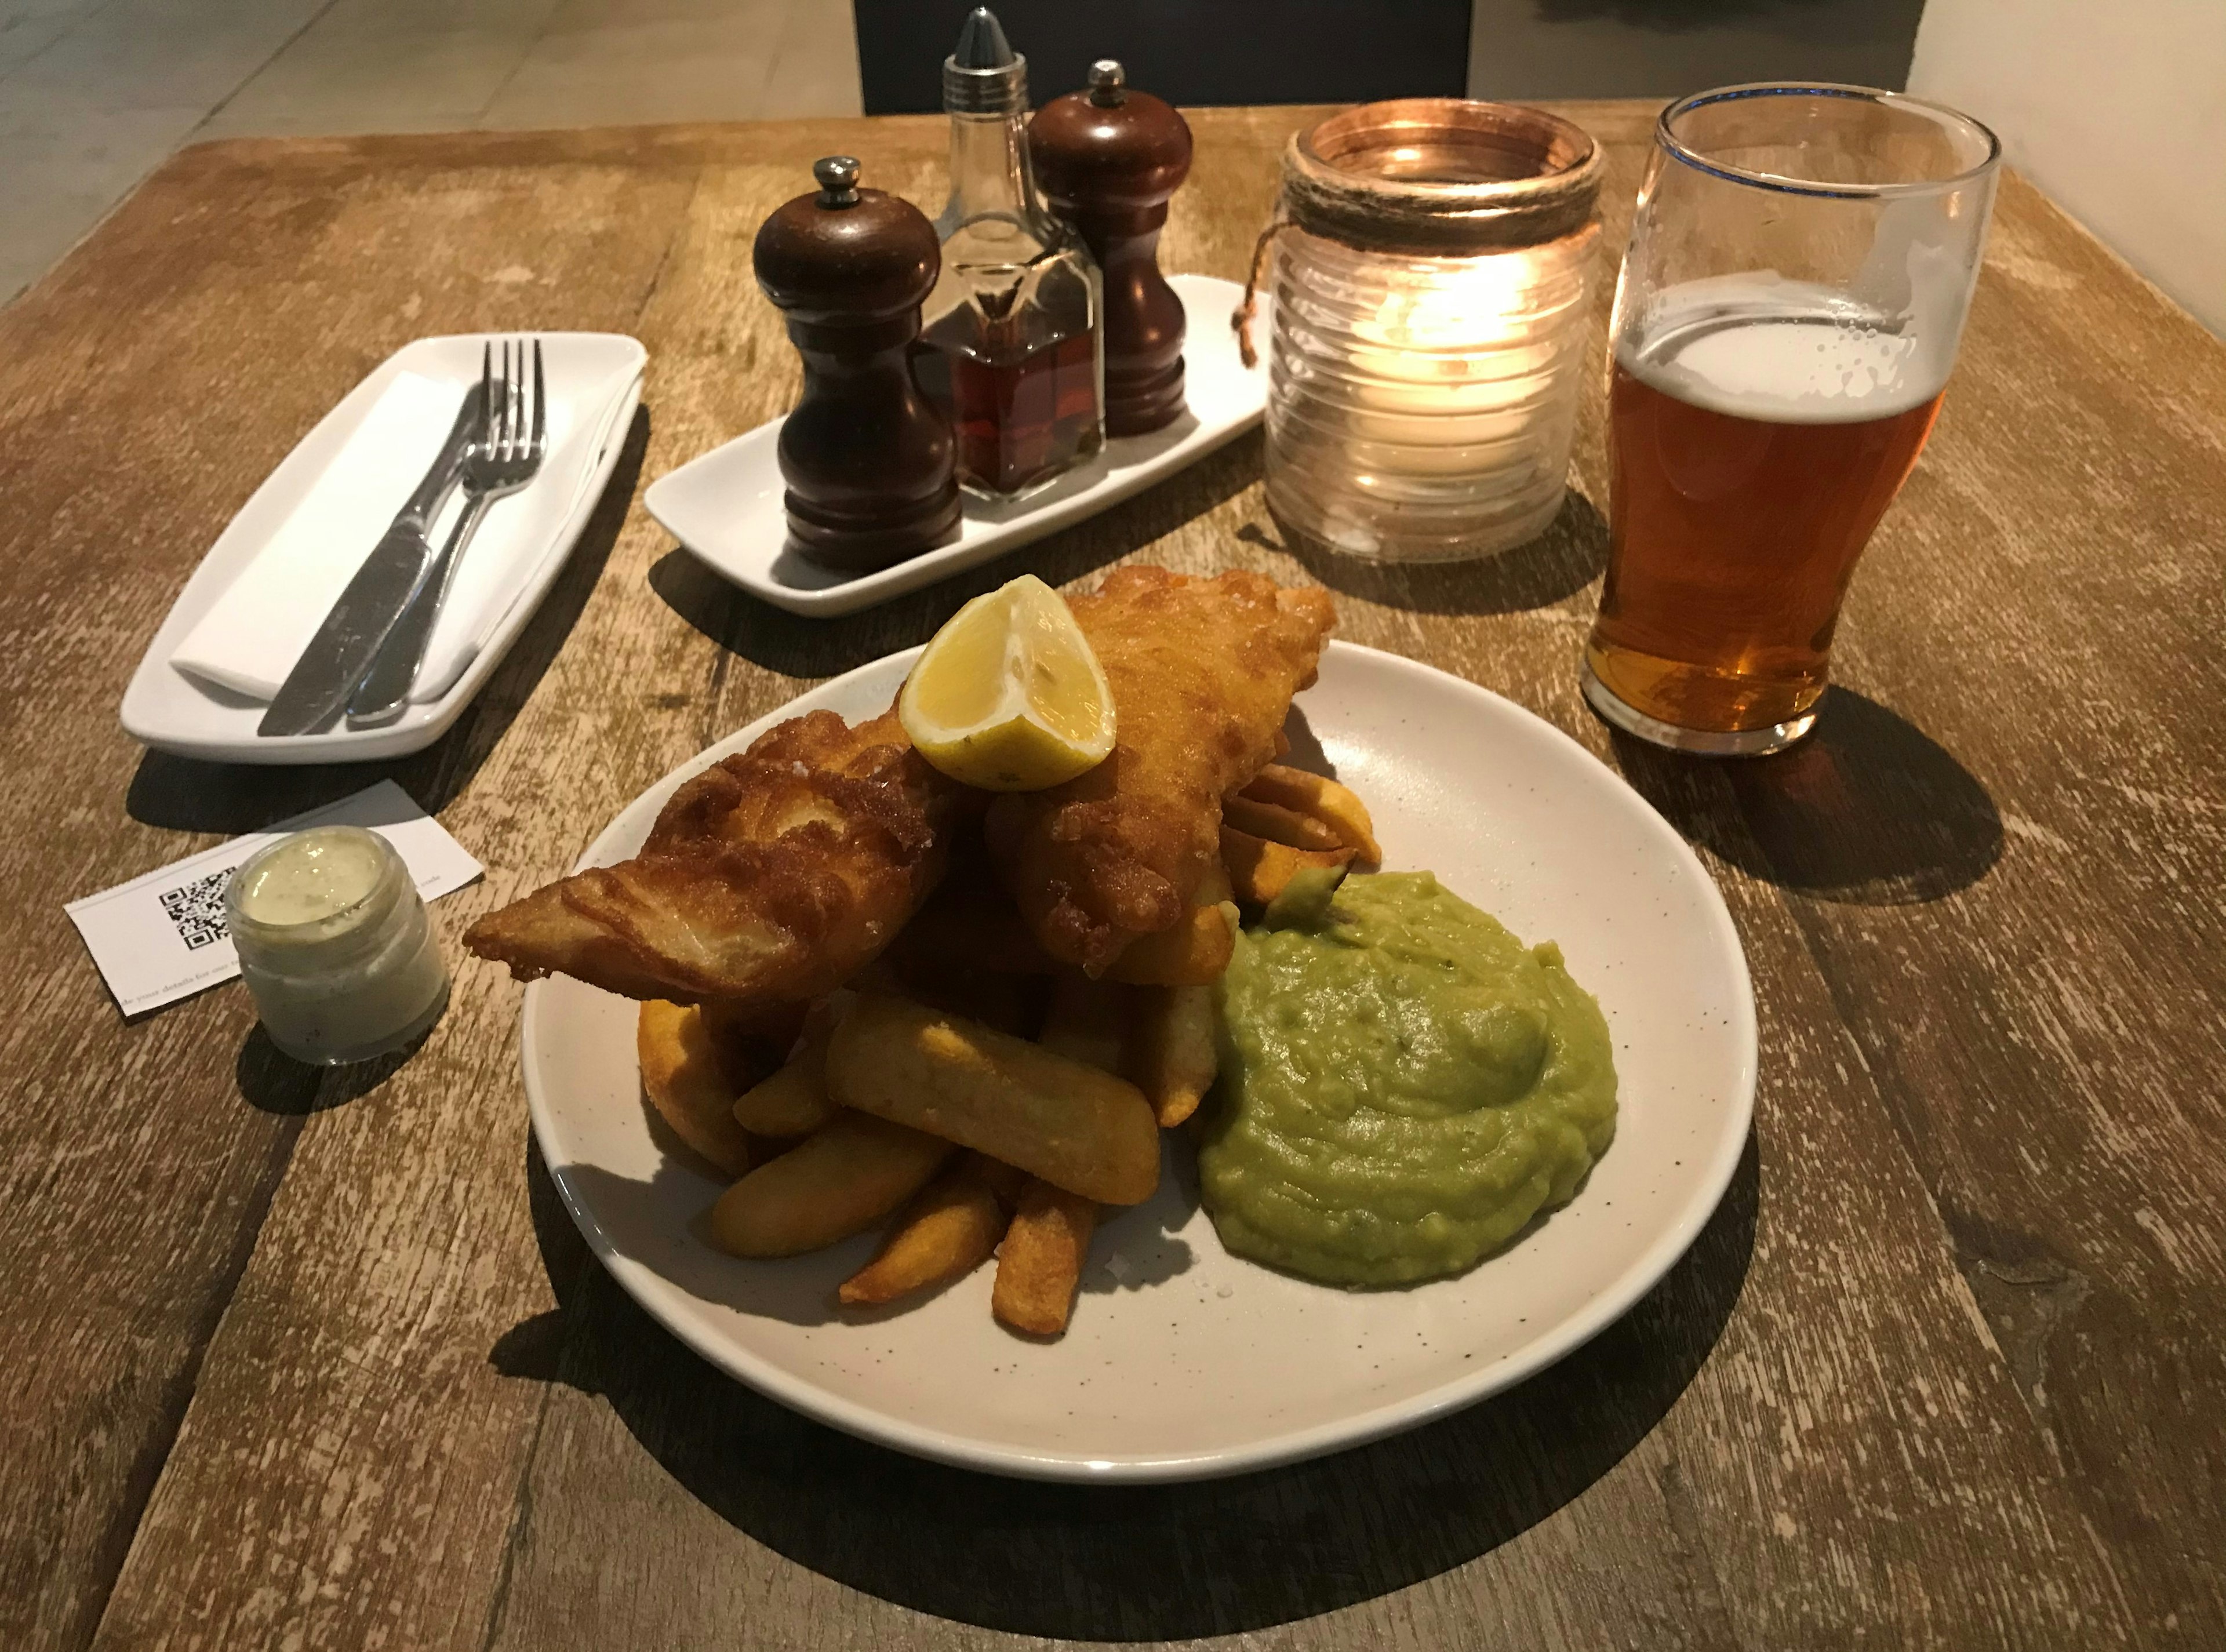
{"x": 173, "y": 712}
{"x": 725, "y": 507}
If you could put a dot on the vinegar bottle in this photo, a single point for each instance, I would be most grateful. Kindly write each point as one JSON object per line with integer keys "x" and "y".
{"x": 1011, "y": 346}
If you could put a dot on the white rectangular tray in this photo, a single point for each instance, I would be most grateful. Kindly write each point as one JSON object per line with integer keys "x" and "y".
{"x": 725, "y": 506}
{"x": 172, "y": 712}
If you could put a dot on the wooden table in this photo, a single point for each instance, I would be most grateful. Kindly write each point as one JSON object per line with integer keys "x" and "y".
{"x": 305, "y": 1360}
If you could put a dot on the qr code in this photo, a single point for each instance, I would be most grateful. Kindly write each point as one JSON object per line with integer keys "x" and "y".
{"x": 196, "y": 909}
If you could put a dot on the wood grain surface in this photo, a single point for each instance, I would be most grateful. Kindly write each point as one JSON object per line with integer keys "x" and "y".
{"x": 309, "y": 1360}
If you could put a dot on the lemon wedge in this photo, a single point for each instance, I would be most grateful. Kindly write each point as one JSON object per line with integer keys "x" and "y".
{"x": 1009, "y": 695}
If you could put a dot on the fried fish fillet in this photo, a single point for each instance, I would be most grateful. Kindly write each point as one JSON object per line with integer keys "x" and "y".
{"x": 768, "y": 878}
{"x": 1202, "y": 672}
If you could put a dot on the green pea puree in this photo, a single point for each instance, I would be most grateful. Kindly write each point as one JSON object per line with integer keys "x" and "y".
{"x": 1404, "y": 1083}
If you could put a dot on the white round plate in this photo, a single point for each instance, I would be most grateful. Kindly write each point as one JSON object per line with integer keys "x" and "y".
{"x": 1183, "y": 1362}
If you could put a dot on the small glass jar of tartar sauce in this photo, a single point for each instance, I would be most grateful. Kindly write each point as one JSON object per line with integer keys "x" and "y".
{"x": 335, "y": 945}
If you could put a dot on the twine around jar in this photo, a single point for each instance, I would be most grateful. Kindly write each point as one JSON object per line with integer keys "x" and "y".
{"x": 1241, "y": 317}
{"x": 1430, "y": 177}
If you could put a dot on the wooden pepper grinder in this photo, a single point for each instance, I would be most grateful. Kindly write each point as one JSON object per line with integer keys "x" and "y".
{"x": 866, "y": 458}
{"x": 1109, "y": 159}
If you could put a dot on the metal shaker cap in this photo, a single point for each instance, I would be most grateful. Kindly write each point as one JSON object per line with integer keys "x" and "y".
{"x": 984, "y": 75}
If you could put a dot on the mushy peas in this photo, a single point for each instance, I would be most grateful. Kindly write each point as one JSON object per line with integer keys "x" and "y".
{"x": 1404, "y": 1083}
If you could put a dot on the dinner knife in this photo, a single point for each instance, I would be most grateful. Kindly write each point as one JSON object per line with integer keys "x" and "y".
{"x": 318, "y": 686}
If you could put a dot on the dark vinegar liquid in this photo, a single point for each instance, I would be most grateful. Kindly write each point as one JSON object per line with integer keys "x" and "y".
{"x": 1019, "y": 418}
{"x": 1731, "y": 542}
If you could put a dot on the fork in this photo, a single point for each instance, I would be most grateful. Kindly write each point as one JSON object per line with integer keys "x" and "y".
{"x": 503, "y": 457}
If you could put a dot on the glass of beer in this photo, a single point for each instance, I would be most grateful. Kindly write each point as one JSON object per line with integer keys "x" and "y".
{"x": 1799, "y": 270}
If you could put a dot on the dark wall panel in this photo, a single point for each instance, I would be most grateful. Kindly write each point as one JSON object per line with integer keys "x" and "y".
{"x": 1527, "y": 49}
{"x": 1186, "y": 51}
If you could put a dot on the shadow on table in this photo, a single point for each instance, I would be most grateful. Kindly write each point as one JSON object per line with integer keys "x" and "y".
{"x": 271, "y": 1081}
{"x": 1868, "y": 810}
{"x": 186, "y": 794}
{"x": 1559, "y": 562}
{"x": 1133, "y": 1249}
{"x": 1130, "y": 1563}
{"x": 798, "y": 646}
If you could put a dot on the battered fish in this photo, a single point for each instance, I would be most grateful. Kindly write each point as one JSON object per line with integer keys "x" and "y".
{"x": 1203, "y": 671}
{"x": 769, "y": 878}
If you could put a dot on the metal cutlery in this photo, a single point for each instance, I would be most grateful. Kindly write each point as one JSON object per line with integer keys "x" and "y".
{"x": 342, "y": 647}
{"x": 503, "y": 456}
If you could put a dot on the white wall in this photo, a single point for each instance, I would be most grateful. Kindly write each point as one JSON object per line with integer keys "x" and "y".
{"x": 2116, "y": 108}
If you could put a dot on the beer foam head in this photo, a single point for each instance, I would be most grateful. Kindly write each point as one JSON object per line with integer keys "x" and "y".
{"x": 1757, "y": 347}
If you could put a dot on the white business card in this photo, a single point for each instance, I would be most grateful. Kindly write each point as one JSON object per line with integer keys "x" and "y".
{"x": 161, "y": 938}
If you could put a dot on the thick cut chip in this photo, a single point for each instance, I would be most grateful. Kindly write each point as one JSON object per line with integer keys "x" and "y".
{"x": 1273, "y": 821}
{"x": 1336, "y": 806}
{"x": 949, "y": 1229}
{"x": 1192, "y": 954}
{"x": 1260, "y": 869}
{"x": 1177, "y": 1050}
{"x": 1057, "y": 1118}
{"x": 839, "y": 1180}
{"x": 1040, "y": 1264}
{"x": 792, "y": 1100}
{"x": 688, "y": 1081}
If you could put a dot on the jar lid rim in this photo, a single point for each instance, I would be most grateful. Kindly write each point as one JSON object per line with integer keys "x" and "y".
{"x": 1550, "y": 188}
{"x": 393, "y": 874}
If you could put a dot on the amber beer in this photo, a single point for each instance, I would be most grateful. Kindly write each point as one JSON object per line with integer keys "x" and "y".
{"x": 1752, "y": 456}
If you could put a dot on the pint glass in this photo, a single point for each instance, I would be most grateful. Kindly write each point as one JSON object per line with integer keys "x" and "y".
{"x": 1800, "y": 266}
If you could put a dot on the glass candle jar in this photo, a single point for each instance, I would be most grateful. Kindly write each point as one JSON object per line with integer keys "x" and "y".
{"x": 1432, "y": 274}
{"x": 335, "y": 945}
